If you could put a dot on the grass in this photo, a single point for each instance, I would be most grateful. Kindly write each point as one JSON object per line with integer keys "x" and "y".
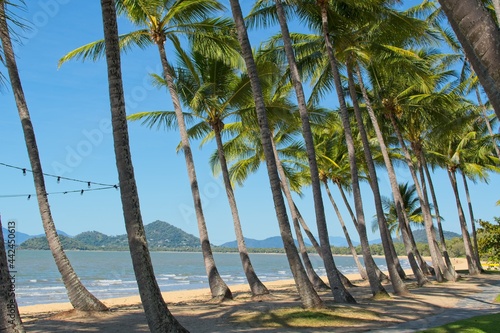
{"x": 497, "y": 299}
{"x": 480, "y": 324}
{"x": 298, "y": 317}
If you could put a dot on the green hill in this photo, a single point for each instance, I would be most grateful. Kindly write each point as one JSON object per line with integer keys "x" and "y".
{"x": 40, "y": 243}
{"x": 161, "y": 236}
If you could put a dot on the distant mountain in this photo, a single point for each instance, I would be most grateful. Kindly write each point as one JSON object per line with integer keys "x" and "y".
{"x": 268, "y": 243}
{"x": 20, "y": 236}
{"x": 421, "y": 237}
{"x": 341, "y": 241}
{"x": 160, "y": 235}
{"x": 40, "y": 243}
{"x": 276, "y": 242}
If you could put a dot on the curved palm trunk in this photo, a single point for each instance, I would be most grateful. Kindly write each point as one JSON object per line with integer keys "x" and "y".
{"x": 10, "y": 320}
{"x": 496, "y": 5}
{"x": 442, "y": 240}
{"x": 218, "y": 287}
{"x": 158, "y": 316}
{"x": 472, "y": 222}
{"x": 308, "y": 295}
{"x": 380, "y": 274}
{"x": 375, "y": 284}
{"x": 256, "y": 286}
{"x": 339, "y": 292}
{"x": 441, "y": 269}
{"x": 361, "y": 269}
{"x": 79, "y": 296}
{"x": 345, "y": 281}
{"x": 480, "y": 39}
{"x": 483, "y": 109}
{"x": 317, "y": 282}
{"x": 448, "y": 272}
{"x": 400, "y": 209}
{"x": 469, "y": 253}
{"x": 392, "y": 178}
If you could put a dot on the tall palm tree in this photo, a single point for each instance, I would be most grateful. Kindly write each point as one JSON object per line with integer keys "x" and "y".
{"x": 400, "y": 208}
{"x": 157, "y": 314}
{"x": 160, "y": 21}
{"x": 480, "y": 39}
{"x": 339, "y": 292}
{"x": 79, "y": 296}
{"x": 397, "y": 283}
{"x": 306, "y": 291}
{"x": 215, "y": 93}
{"x": 10, "y": 320}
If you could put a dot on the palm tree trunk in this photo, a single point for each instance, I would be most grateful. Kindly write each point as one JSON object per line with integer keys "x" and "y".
{"x": 392, "y": 174}
{"x": 442, "y": 240}
{"x": 480, "y": 39}
{"x": 361, "y": 269}
{"x": 256, "y": 286}
{"x": 380, "y": 274}
{"x": 79, "y": 296}
{"x": 483, "y": 109}
{"x": 469, "y": 253}
{"x": 218, "y": 287}
{"x": 400, "y": 209}
{"x": 158, "y": 316}
{"x": 318, "y": 283}
{"x": 10, "y": 320}
{"x": 399, "y": 286}
{"x": 340, "y": 293}
{"x": 308, "y": 295}
{"x": 496, "y": 5}
{"x": 472, "y": 222}
{"x": 440, "y": 269}
{"x": 317, "y": 247}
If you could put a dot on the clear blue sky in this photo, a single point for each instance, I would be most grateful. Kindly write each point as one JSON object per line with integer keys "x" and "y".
{"x": 70, "y": 112}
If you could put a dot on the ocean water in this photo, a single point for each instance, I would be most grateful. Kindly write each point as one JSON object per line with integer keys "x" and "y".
{"x": 109, "y": 274}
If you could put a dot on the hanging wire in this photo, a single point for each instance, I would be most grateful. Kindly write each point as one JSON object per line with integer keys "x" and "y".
{"x": 81, "y": 191}
{"x": 59, "y": 178}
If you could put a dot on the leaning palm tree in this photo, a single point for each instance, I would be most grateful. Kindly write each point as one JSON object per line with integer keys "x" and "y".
{"x": 412, "y": 205}
{"x": 215, "y": 93}
{"x": 306, "y": 291}
{"x": 79, "y": 296}
{"x": 10, "y": 320}
{"x": 157, "y": 314}
{"x": 480, "y": 38}
{"x": 340, "y": 293}
{"x": 159, "y": 21}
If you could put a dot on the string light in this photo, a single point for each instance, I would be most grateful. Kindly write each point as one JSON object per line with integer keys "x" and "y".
{"x": 24, "y": 170}
{"x": 102, "y": 186}
{"x": 29, "y": 195}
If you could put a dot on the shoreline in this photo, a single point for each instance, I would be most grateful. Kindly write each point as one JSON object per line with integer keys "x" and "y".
{"x": 197, "y": 312}
{"x": 191, "y": 295}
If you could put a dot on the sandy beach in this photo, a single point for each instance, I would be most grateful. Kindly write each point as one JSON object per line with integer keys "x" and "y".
{"x": 244, "y": 314}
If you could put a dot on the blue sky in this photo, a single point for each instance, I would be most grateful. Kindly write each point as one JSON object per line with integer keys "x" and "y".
{"x": 70, "y": 112}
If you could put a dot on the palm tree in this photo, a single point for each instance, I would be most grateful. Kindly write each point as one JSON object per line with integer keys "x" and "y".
{"x": 165, "y": 20}
{"x": 79, "y": 296}
{"x": 397, "y": 283}
{"x": 412, "y": 205}
{"x": 306, "y": 291}
{"x": 157, "y": 314}
{"x": 10, "y": 320}
{"x": 339, "y": 292}
{"x": 214, "y": 92}
{"x": 480, "y": 39}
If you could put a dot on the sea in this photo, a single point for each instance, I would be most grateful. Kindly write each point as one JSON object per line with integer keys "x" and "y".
{"x": 109, "y": 274}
